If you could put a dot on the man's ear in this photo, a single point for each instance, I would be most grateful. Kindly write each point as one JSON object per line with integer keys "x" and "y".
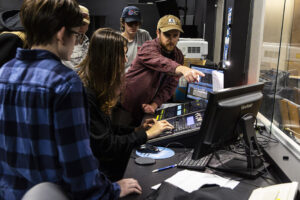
{"x": 157, "y": 33}
{"x": 60, "y": 35}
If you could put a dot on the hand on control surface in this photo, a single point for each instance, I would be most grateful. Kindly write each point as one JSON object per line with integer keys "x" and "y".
{"x": 148, "y": 123}
{"x": 158, "y": 127}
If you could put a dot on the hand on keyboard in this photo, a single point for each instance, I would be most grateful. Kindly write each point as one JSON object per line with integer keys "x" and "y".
{"x": 158, "y": 127}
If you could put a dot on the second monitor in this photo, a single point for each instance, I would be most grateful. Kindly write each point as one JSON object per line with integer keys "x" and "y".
{"x": 212, "y": 81}
{"x": 183, "y": 115}
{"x": 196, "y": 93}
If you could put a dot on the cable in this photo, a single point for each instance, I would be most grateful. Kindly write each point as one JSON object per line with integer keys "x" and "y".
{"x": 268, "y": 137}
{"x": 175, "y": 143}
{"x": 263, "y": 162}
{"x": 250, "y": 183}
{"x": 223, "y": 164}
{"x": 181, "y": 145}
{"x": 265, "y": 177}
{"x": 252, "y": 152}
{"x": 216, "y": 155}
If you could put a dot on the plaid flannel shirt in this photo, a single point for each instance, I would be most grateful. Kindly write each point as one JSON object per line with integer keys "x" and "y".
{"x": 44, "y": 130}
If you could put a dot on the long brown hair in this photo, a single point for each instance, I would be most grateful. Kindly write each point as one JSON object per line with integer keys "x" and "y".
{"x": 103, "y": 68}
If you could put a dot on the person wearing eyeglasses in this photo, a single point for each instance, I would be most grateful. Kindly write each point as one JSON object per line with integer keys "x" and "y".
{"x": 44, "y": 126}
{"x": 82, "y": 41}
{"x": 130, "y": 23}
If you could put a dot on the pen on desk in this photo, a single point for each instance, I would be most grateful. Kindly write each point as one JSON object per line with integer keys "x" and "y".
{"x": 164, "y": 168}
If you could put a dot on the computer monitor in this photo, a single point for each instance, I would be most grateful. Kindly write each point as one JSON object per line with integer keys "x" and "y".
{"x": 229, "y": 113}
{"x": 212, "y": 81}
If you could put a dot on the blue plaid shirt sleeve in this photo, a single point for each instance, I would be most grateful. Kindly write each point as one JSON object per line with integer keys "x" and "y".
{"x": 79, "y": 166}
{"x": 44, "y": 133}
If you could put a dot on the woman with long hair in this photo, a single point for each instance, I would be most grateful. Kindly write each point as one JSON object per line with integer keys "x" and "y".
{"x": 102, "y": 74}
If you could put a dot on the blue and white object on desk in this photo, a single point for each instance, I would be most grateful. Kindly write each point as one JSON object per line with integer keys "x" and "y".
{"x": 162, "y": 154}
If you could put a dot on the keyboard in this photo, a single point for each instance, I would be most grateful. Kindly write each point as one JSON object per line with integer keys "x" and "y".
{"x": 183, "y": 126}
{"x": 181, "y": 109}
{"x": 189, "y": 163}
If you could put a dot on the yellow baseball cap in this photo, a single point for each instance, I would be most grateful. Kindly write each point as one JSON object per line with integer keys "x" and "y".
{"x": 169, "y": 22}
{"x": 86, "y": 14}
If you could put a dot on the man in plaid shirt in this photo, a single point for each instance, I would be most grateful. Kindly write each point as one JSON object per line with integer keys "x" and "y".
{"x": 43, "y": 112}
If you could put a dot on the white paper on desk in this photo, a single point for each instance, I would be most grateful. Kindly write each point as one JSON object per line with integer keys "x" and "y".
{"x": 231, "y": 184}
{"x": 155, "y": 187}
{"x": 190, "y": 181}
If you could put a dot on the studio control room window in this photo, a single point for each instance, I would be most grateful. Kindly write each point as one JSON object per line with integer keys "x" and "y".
{"x": 280, "y": 68}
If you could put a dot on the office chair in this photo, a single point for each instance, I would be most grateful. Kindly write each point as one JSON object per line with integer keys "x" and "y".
{"x": 296, "y": 92}
{"x": 45, "y": 191}
{"x": 290, "y": 116}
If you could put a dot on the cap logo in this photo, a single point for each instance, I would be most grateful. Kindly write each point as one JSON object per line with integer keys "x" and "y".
{"x": 171, "y": 21}
{"x": 132, "y": 12}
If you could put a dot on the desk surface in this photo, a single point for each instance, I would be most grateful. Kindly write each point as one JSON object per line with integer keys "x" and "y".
{"x": 147, "y": 178}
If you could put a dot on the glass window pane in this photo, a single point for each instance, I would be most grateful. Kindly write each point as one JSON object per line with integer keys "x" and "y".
{"x": 280, "y": 66}
{"x": 270, "y": 52}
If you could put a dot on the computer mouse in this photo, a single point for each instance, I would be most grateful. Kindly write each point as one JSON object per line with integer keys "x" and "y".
{"x": 144, "y": 161}
{"x": 147, "y": 148}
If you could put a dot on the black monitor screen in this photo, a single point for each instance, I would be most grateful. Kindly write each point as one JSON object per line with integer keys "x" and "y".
{"x": 223, "y": 114}
{"x": 212, "y": 81}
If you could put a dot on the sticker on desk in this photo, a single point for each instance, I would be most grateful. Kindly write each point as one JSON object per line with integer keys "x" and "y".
{"x": 162, "y": 154}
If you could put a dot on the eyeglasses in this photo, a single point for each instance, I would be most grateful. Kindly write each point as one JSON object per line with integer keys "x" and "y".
{"x": 78, "y": 35}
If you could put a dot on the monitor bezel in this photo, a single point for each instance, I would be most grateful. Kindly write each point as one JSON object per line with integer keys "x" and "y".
{"x": 202, "y": 139}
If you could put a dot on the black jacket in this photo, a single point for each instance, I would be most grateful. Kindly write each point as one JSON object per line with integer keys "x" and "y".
{"x": 9, "y": 42}
{"x": 110, "y": 144}
{"x": 10, "y": 21}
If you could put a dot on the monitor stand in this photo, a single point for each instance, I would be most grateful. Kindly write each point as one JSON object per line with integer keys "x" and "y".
{"x": 240, "y": 167}
{"x": 253, "y": 166}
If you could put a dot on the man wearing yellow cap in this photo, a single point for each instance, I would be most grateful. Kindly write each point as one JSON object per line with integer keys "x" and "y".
{"x": 154, "y": 74}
